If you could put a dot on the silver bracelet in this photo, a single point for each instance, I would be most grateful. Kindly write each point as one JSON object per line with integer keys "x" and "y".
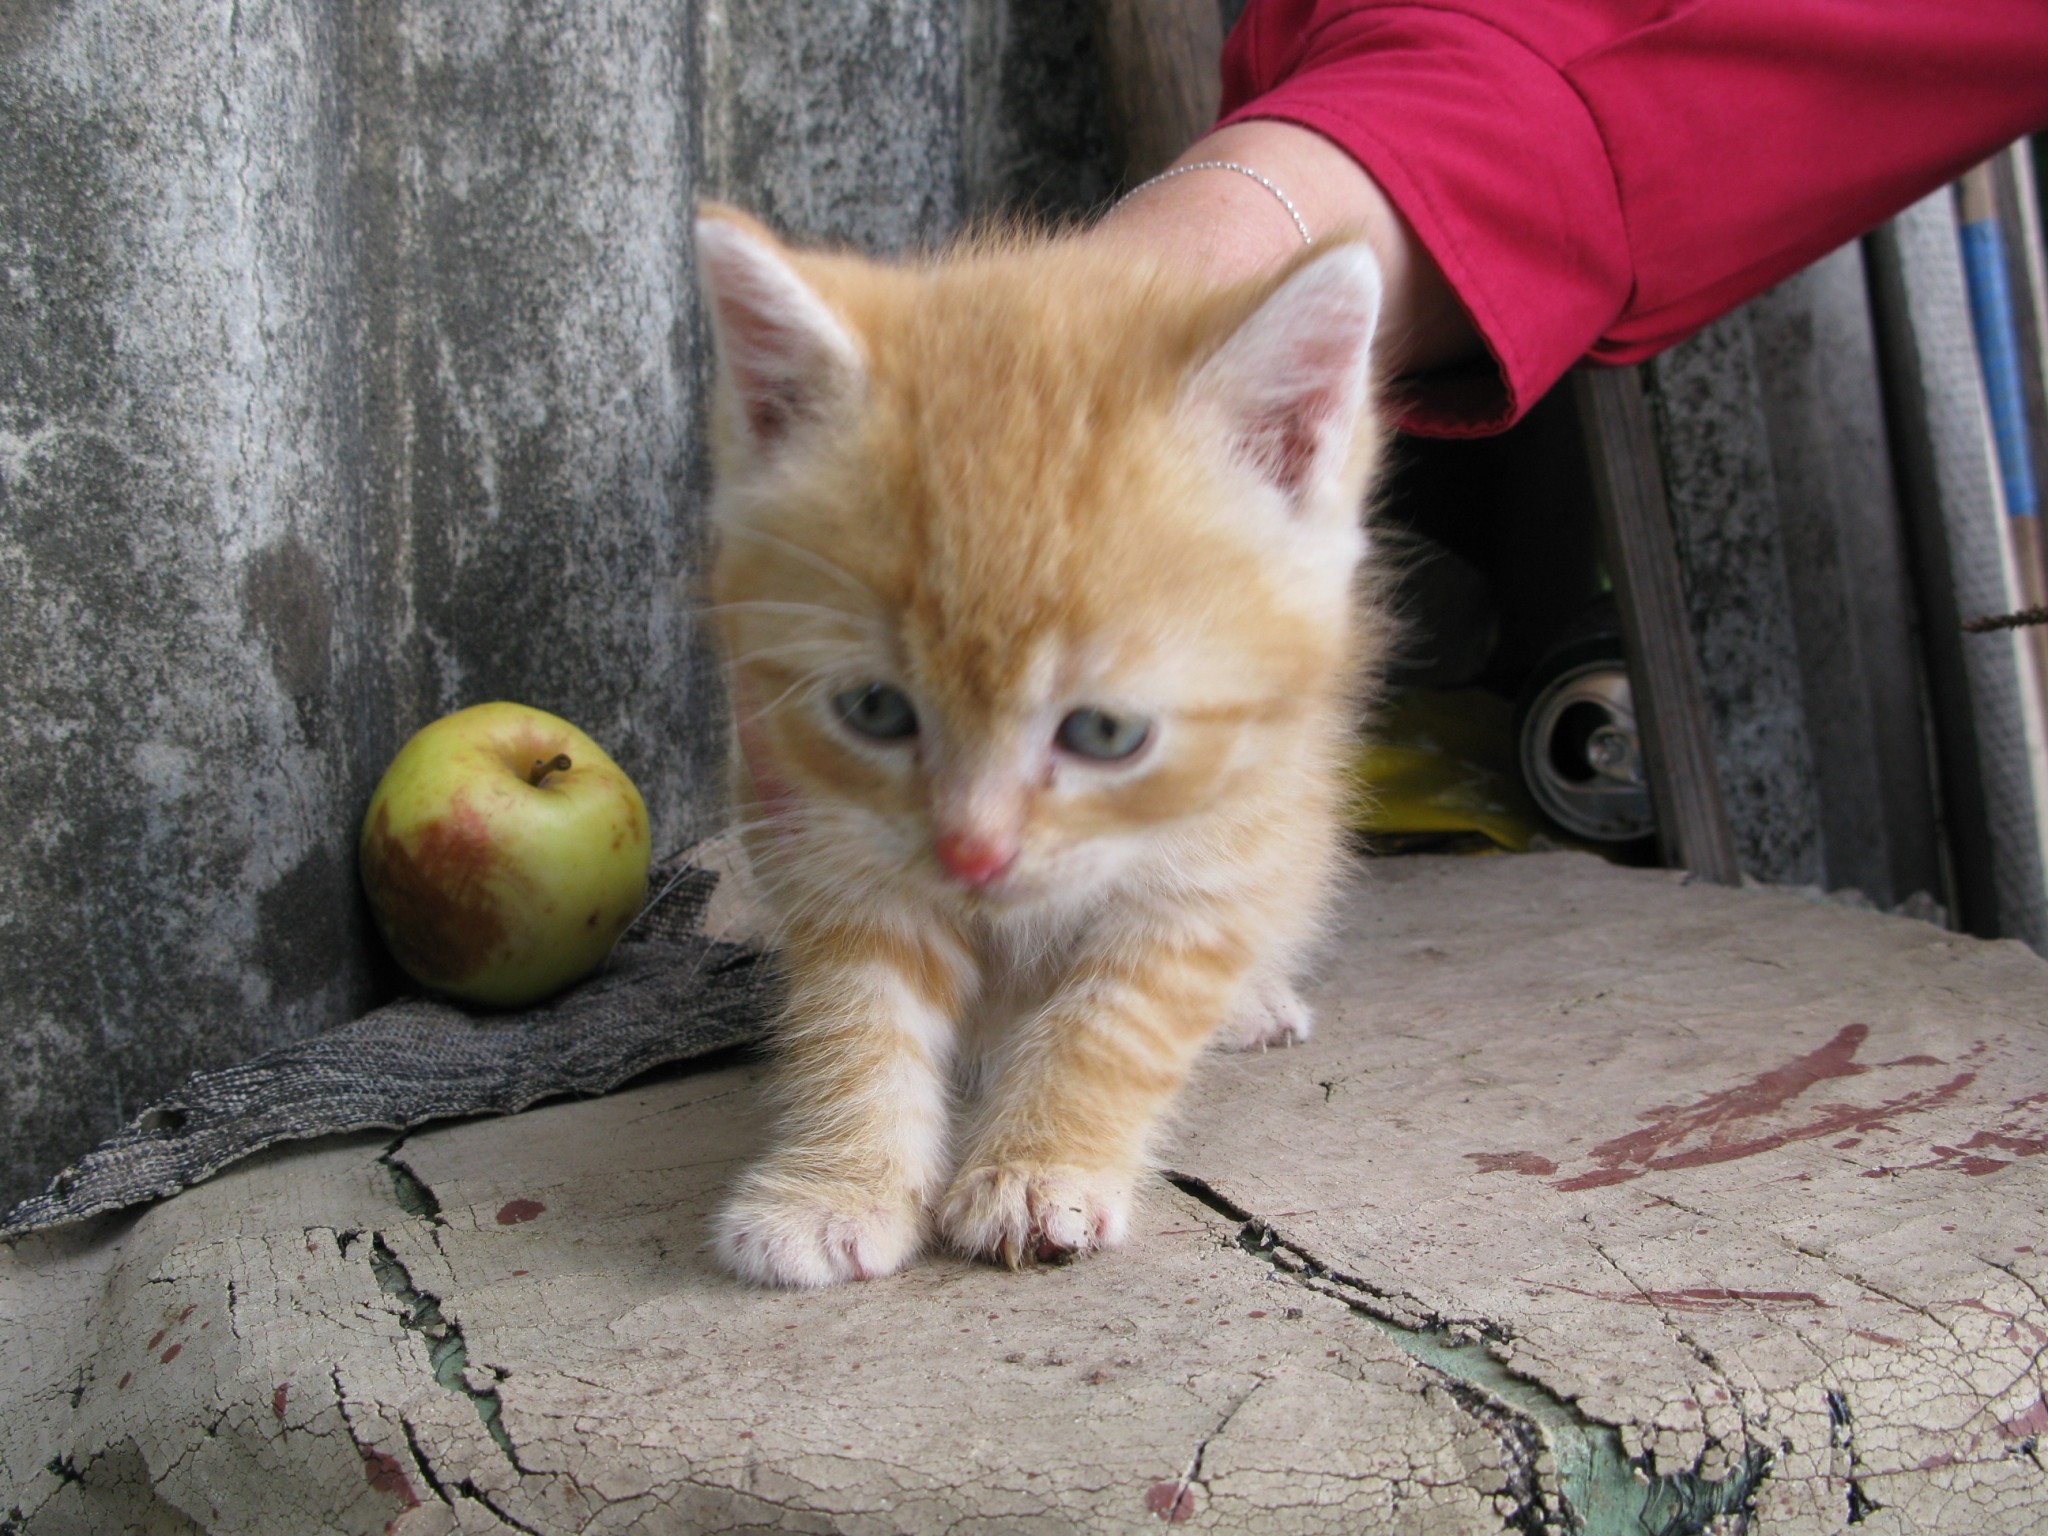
{"x": 1226, "y": 165}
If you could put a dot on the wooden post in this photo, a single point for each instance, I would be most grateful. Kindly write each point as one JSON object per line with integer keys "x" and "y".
{"x": 1159, "y": 75}
{"x": 1693, "y": 830}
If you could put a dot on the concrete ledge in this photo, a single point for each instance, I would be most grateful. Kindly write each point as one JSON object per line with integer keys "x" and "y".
{"x": 1600, "y": 1202}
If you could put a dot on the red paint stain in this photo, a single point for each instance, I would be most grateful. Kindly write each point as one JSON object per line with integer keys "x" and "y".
{"x": 188, "y": 1312}
{"x": 1600, "y": 1178}
{"x": 1879, "y": 1338}
{"x": 2016, "y": 1326}
{"x": 1969, "y": 1157}
{"x": 518, "y": 1272}
{"x": 1697, "y": 1298}
{"x": 1721, "y": 1128}
{"x": 284, "y": 1390}
{"x": 385, "y": 1475}
{"x": 1976, "y": 1166}
{"x": 1705, "y": 1298}
{"x": 122, "y": 1384}
{"x": 512, "y": 1212}
{"x": 156, "y": 1339}
{"x": 1172, "y": 1501}
{"x": 2030, "y": 1425}
{"x": 172, "y": 1353}
{"x": 1511, "y": 1162}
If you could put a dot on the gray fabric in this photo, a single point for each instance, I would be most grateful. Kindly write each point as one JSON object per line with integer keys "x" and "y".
{"x": 668, "y": 994}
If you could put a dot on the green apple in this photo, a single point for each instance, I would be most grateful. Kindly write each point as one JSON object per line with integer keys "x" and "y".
{"x": 504, "y": 853}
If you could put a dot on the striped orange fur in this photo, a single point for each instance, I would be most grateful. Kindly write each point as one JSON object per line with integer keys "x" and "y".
{"x": 1037, "y": 581}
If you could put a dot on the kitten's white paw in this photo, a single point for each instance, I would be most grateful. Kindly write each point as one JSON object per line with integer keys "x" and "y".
{"x": 1022, "y": 1211}
{"x": 809, "y": 1232}
{"x": 1267, "y": 1013}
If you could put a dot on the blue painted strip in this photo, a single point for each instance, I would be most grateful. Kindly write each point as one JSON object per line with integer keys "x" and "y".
{"x": 1991, "y": 314}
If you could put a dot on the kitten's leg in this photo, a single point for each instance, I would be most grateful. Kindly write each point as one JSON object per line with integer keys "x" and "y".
{"x": 1049, "y": 1170}
{"x": 1268, "y": 1012}
{"x": 865, "y": 1049}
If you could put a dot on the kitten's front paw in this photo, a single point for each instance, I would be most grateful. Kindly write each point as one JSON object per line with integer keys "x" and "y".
{"x": 1020, "y": 1211}
{"x": 1267, "y": 1013}
{"x": 805, "y": 1232}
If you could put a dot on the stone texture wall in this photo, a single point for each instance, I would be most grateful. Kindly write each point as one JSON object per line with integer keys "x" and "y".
{"x": 1717, "y": 469}
{"x": 350, "y": 371}
{"x": 1793, "y": 545}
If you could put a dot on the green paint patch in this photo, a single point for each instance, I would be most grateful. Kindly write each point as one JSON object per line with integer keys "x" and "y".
{"x": 447, "y": 1352}
{"x": 1602, "y": 1491}
{"x": 411, "y": 1192}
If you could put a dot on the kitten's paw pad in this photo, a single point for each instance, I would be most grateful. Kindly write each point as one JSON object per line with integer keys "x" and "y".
{"x": 1017, "y": 1212}
{"x": 1268, "y": 1013}
{"x": 810, "y": 1233}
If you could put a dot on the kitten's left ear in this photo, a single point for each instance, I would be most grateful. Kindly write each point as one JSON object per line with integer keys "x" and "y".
{"x": 786, "y": 357}
{"x": 1289, "y": 385}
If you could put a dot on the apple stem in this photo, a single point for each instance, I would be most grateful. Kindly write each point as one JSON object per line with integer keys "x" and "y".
{"x": 543, "y": 766}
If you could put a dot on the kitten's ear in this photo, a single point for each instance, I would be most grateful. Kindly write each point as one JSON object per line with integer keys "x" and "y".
{"x": 1290, "y": 384}
{"x": 785, "y": 355}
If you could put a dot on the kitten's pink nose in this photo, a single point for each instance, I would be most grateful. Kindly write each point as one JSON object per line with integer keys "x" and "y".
{"x": 977, "y": 860}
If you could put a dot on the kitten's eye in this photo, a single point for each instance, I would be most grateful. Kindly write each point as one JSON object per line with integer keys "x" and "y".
{"x": 1096, "y": 733}
{"x": 878, "y": 711}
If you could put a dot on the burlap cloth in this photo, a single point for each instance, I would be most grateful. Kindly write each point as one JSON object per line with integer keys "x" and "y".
{"x": 689, "y": 978}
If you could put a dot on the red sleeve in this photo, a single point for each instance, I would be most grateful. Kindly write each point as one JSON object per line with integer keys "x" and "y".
{"x": 1601, "y": 178}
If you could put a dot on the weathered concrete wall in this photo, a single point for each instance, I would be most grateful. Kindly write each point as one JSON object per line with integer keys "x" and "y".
{"x": 350, "y": 371}
{"x": 834, "y": 117}
{"x": 199, "y": 580}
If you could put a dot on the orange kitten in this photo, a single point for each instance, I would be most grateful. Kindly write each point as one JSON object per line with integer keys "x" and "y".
{"x": 1036, "y": 583}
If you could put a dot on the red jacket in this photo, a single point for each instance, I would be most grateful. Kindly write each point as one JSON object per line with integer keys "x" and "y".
{"x": 1601, "y": 178}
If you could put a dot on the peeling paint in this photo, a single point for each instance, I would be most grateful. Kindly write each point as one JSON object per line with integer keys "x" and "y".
{"x": 447, "y": 1351}
{"x": 1599, "y": 1490}
{"x": 1335, "y": 1323}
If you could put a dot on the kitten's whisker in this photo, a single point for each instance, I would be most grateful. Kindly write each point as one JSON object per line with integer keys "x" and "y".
{"x": 810, "y": 557}
{"x": 763, "y": 653}
{"x": 762, "y": 711}
{"x": 782, "y": 605}
{"x": 757, "y": 824}
{"x": 646, "y": 907}
{"x": 807, "y": 680}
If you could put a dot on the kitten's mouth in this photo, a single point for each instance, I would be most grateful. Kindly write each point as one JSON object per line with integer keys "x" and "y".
{"x": 1004, "y": 893}
{"x": 997, "y": 893}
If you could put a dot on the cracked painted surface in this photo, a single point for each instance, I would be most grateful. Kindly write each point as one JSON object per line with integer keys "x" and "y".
{"x": 1586, "y": 1168}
